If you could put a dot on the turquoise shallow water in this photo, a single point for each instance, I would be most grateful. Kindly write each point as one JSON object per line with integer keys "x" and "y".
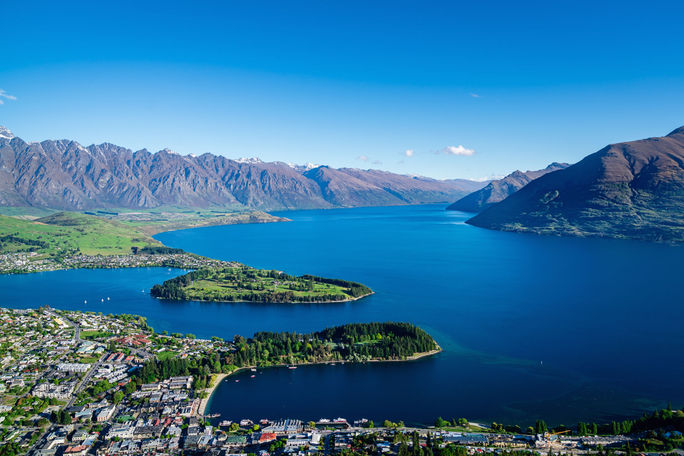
{"x": 560, "y": 328}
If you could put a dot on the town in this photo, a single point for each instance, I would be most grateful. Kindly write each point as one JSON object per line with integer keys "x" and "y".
{"x": 71, "y": 384}
{"x": 27, "y": 262}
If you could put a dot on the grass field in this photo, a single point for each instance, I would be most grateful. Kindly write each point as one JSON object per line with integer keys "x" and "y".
{"x": 166, "y": 354}
{"x": 227, "y": 284}
{"x": 67, "y": 233}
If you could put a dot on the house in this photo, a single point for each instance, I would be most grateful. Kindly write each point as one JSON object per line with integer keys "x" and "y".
{"x": 78, "y": 450}
{"x": 104, "y": 414}
{"x": 267, "y": 437}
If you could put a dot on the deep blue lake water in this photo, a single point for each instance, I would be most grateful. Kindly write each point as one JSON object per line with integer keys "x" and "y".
{"x": 532, "y": 327}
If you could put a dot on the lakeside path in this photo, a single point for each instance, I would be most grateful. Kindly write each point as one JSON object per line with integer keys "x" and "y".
{"x": 218, "y": 378}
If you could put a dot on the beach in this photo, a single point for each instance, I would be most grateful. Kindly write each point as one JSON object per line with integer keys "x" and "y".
{"x": 216, "y": 381}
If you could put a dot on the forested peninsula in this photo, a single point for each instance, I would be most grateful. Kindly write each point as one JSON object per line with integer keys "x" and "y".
{"x": 356, "y": 342}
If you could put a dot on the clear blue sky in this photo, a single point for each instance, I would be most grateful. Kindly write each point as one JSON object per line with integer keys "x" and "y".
{"x": 347, "y": 83}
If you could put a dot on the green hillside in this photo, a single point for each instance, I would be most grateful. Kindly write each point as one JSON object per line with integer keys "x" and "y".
{"x": 68, "y": 233}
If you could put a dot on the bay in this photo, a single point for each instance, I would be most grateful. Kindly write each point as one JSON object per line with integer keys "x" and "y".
{"x": 564, "y": 329}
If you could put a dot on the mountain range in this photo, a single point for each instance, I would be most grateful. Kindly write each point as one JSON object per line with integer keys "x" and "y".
{"x": 63, "y": 174}
{"x": 626, "y": 190}
{"x": 499, "y": 190}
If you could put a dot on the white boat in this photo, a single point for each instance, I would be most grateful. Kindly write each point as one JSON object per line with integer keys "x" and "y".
{"x": 253, "y": 369}
{"x": 292, "y": 367}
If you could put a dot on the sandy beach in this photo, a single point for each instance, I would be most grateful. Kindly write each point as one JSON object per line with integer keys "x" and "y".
{"x": 217, "y": 379}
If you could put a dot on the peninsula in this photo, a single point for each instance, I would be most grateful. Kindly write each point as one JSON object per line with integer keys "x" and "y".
{"x": 246, "y": 284}
{"x": 70, "y": 240}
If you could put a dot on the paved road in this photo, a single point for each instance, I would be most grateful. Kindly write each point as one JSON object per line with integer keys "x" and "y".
{"x": 84, "y": 381}
{"x": 77, "y": 337}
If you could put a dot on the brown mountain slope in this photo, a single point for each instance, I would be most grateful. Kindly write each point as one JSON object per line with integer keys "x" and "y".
{"x": 626, "y": 190}
{"x": 65, "y": 175}
{"x": 501, "y": 189}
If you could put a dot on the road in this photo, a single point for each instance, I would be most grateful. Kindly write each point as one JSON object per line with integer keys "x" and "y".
{"x": 77, "y": 338}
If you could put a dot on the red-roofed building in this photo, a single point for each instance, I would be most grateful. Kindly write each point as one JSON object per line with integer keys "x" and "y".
{"x": 267, "y": 437}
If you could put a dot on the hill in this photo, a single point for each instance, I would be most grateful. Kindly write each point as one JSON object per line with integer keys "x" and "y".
{"x": 69, "y": 233}
{"x": 501, "y": 189}
{"x": 627, "y": 190}
{"x": 65, "y": 175}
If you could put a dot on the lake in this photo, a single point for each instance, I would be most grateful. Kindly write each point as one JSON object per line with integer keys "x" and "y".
{"x": 563, "y": 329}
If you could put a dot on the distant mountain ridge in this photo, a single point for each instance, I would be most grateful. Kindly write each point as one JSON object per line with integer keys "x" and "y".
{"x": 62, "y": 174}
{"x": 501, "y": 189}
{"x": 626, "y": 190}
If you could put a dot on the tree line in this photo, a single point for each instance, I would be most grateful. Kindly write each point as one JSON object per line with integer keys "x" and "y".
{"x": 353, "y": 342}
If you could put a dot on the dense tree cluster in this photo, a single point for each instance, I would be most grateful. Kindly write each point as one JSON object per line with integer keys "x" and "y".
{"x": 200, "y": 368}
{"x": 60, "y": 417}
{"x": 156, "y": 250}
{"x": 353, "y": 342}
{"x": 11, "y": 239}
{"x": 355, "y": 289}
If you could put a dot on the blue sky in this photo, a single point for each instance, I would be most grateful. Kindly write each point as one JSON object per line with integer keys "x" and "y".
{"x": 516, "y": 85}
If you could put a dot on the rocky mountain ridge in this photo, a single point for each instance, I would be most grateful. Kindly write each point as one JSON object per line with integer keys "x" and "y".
{"x": 501, "y": 189}
{"x": 63, "y": 174}
{"x": 627, "y": 190}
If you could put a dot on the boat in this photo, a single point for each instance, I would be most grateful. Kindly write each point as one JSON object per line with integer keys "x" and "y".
{"x": 237, "y": 381}
{"x": 292, "y": 367}
{"x": 253, "y": 369}
{"x": 252, "y": 376}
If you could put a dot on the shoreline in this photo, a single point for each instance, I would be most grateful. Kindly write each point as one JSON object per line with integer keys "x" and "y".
{"x": 204, "y": 402}
{"x": 272, "y": 302}
{"x": 202, "y": 409}
{"x": 154, "y": 230}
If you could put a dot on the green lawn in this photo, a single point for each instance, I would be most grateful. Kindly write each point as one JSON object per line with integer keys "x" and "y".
{"x": 166, "y": 354}
{"x": 227, "y": 284}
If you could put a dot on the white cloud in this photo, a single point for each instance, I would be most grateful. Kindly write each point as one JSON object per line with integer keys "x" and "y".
{"x": 6, "y": 95}
{"x": 489, "y": 178}
{"x": 362, "y": 158}
{"x": 475, "y": 95}
{"x": 458, "y": 150}
{"x": 409, "y": 152}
